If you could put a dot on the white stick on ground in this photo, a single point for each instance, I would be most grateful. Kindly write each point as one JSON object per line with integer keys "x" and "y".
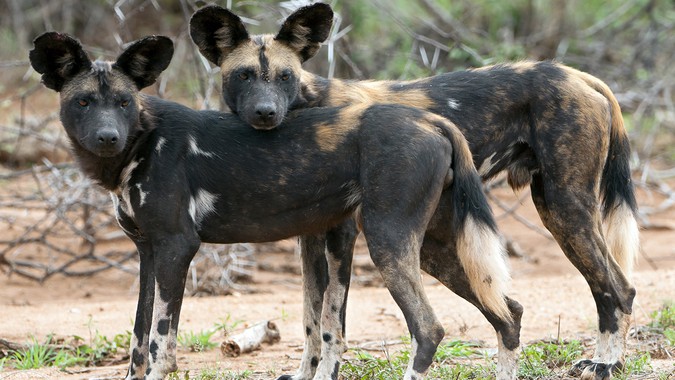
{"x": 251, "y": 339}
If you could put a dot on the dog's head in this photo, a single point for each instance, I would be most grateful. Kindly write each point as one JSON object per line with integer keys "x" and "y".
{"x": 100, "y": 106}
{"x": 261, "y": 73}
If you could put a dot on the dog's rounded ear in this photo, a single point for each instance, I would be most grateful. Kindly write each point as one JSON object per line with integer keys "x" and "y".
{"x": 305, "y": 29}
{"x": 58, "y": 57}
{"x": 145, "y": 59}
{"x": 216, "y": 31}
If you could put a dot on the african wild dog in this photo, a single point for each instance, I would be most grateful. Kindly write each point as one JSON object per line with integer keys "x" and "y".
{"x": 179, "y": 177}
{"x": 551, "y": 127}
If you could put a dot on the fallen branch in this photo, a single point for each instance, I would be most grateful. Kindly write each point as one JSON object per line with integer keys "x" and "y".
{"x": 251, "y": 339}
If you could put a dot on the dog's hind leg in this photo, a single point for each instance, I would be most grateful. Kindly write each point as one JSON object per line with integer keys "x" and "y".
{"x": 172, "y": 256}
{"x": 140, "y": 338}
{"x": 573, "y": 218}
{"x": 396, "y": 255}
{"x": 439, "y": 259}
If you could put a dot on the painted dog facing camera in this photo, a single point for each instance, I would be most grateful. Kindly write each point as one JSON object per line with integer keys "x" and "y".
{"x": 179, "y": 177}
{"x": 549, "y": 126}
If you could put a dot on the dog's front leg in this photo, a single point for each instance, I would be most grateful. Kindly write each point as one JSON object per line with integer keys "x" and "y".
{"x": 339, "y": 253}
{"x": 172, "y": 256}
{"x": 139, "y": 340}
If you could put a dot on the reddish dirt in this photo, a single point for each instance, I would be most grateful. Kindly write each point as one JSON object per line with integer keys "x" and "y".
{"x": 557, "y": 301}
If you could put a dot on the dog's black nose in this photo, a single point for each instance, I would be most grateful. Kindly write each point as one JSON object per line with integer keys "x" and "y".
{"x": 265, "y": 111}
{"x": 107, "y": 137}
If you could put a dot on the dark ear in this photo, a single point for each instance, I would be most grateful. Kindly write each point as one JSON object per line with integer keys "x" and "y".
{"x": 57, "y": 57}
{"x": 216, "y": 31}
{"x": 145, "y": 59}
{"x": 305, "y": 29}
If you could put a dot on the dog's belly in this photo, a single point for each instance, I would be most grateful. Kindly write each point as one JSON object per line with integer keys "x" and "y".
{"x": 259, "y": 225}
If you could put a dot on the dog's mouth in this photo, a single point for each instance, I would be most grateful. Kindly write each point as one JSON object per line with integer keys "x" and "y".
{"x": 264, "y": 126}
{"x": 106, "y": 152}
{"x": 102, "y": 150}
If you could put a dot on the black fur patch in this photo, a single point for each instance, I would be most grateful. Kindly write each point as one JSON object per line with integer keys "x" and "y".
{"x": 153, "y": 350}
{"x": 163, "y": 326}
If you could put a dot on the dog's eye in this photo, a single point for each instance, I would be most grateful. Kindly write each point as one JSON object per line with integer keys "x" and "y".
{"x": 124, "y": 103}
{"x": 243, "y": 76}
{"x": 285, "y": 77}
{"x": 83, "y": 102}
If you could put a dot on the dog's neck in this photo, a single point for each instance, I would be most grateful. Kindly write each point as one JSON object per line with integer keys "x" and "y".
{"x": 313, "y": 91}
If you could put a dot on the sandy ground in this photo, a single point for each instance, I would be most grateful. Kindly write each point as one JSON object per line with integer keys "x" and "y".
{"x": 557, "y": 301}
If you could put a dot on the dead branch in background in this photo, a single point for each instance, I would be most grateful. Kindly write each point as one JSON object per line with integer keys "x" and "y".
{"x": 56, "y": 222}
{"x": 219, "y": 269}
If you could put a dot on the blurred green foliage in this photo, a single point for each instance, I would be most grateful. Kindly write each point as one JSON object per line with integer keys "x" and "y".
{"x": 630, "y": 44}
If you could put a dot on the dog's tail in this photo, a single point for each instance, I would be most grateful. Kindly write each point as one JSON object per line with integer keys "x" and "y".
{"x": 479, "y": 245}
{"x": 619, "y": 206}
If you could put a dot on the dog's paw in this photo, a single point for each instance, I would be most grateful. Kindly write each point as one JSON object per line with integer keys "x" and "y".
{"x": 288, "y": 377}
{"x": 587, "y": 369}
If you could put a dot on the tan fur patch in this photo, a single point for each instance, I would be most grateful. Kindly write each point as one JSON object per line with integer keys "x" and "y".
{"x": 308, "y": 83}
{"x": 87, "y": 83}
{"x": 280, "y": 57}
{"x": 522, "y": 66}
{"x": 519, "y": 67}
{"x": 81, "y": 84}
{"x": 591, "y": 133}
{"x": 345, "y": 92}
{"x": 300, "y": 39}
{"x": 330, "y": 136}
{"x": 245, "y": 55}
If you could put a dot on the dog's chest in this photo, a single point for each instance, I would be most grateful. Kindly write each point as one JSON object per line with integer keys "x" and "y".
{"x": 127, "y": 198}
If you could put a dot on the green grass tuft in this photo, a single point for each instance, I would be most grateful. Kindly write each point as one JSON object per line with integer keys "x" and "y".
{"x": 664, "y": 318}
{"x": 212, "y": 374}
{"x": 35, "y": 356}
{"x": 227, "y": 325}
{"x": 197, "y": 342}
{"x": 635, "y": 366}
{"x": 544, "y": 358}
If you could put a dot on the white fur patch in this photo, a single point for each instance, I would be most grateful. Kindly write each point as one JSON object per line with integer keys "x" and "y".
{"x": 507, "y": 361}
{"x": 141, "y": 194}
{"x": 410, "y": 373}
{"x": 124, "y": 191}
{"x": 486, "y": 165}
{"x": 194, "y": 149}
{"x": 160, "y": 145}
{"x": 201, "y": 205}
{"x": 116, "y": 210}
{"x": 453, "y": 103}
{"x": 166, "y": 344}
{"x": 482, "y": 256}
{"x": 623, "y": 238}
{"x": 611, "y": 347}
